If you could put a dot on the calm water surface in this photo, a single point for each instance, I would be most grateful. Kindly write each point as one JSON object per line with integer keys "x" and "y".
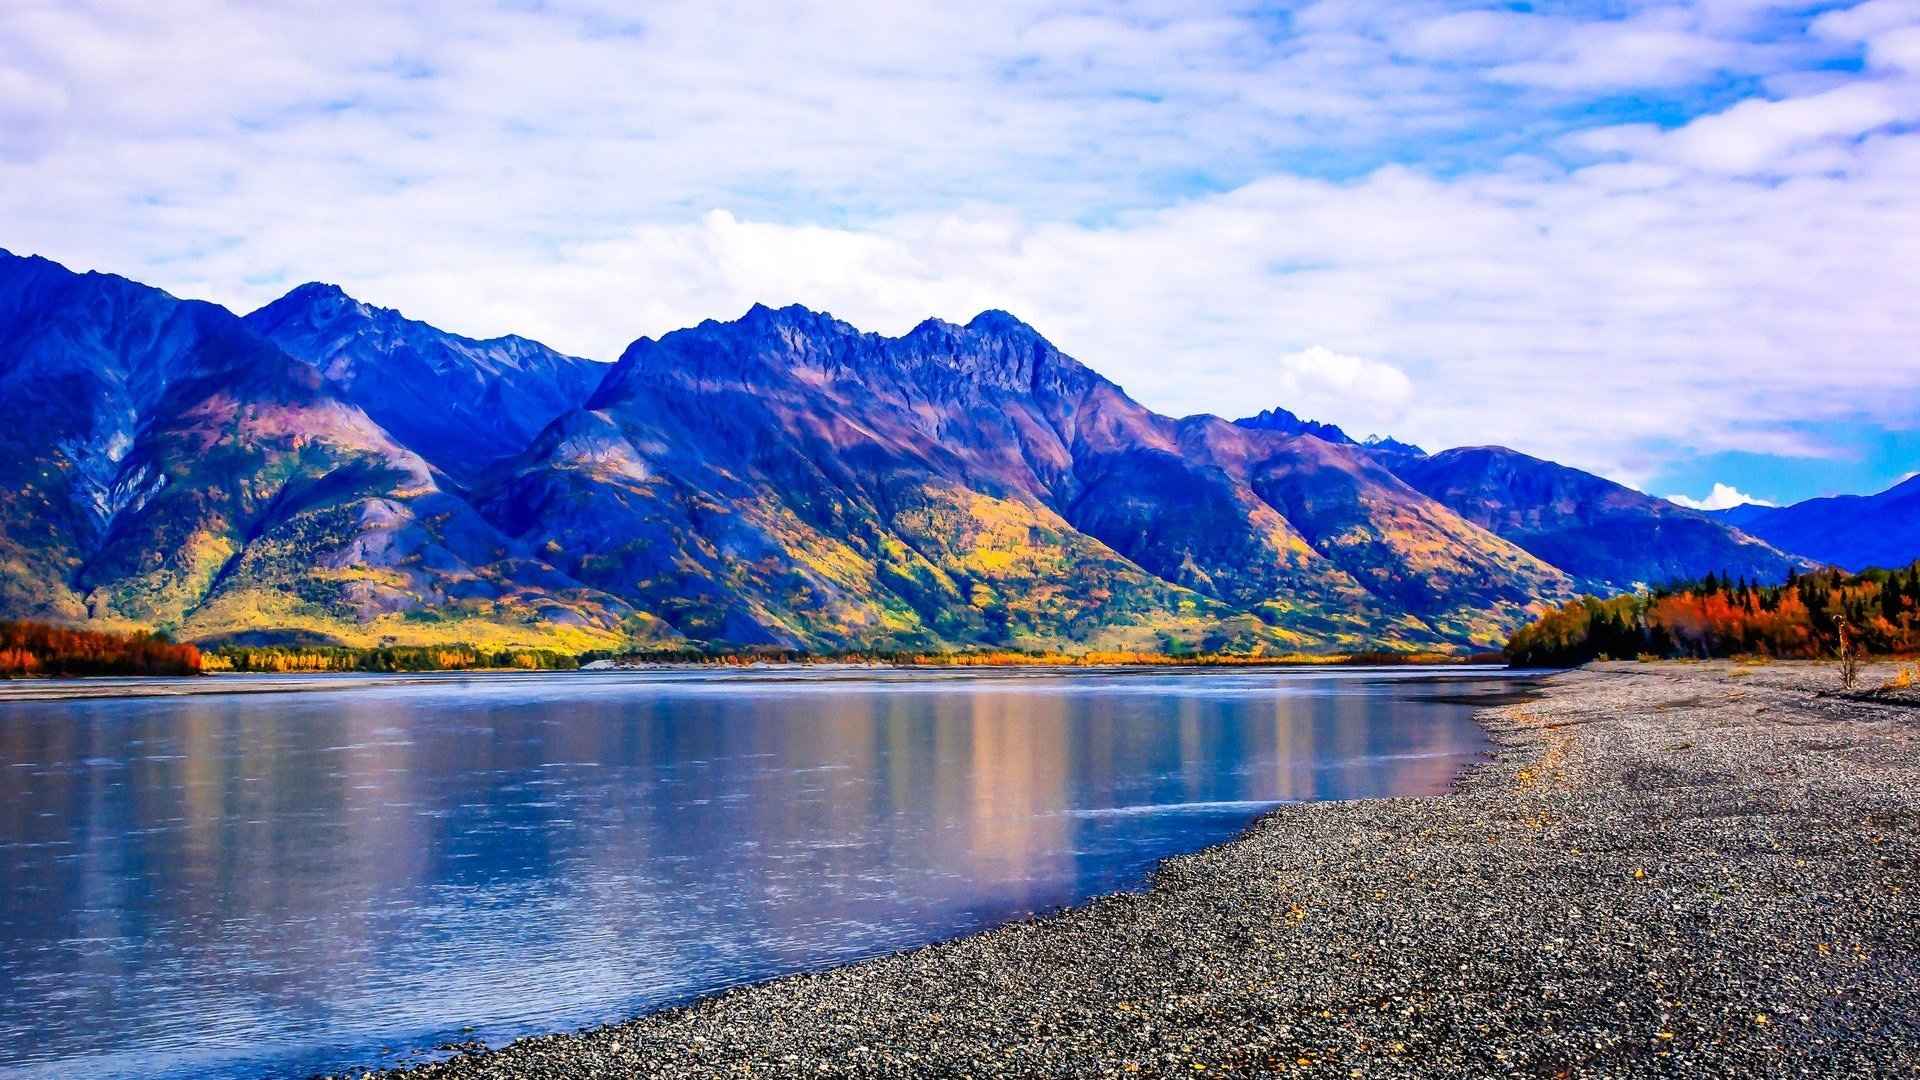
{"x": 275, "y": 884}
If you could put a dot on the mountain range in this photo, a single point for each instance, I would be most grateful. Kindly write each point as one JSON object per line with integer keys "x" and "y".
{"x": 323, "y": 469}
{"x": 1853, "y": 532}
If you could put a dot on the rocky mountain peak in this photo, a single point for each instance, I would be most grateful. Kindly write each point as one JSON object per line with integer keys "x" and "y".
{"x": 993, "y": 351}
{"x": 484, "y": 399}
{"x": 996, "y": 321}
{"x": 316, "y": 302}
{"x": 1286, "y": 422}
{"x": 1390, "y": 447}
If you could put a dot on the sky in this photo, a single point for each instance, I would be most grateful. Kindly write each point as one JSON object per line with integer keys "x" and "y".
{"x": 1674, "y": 243}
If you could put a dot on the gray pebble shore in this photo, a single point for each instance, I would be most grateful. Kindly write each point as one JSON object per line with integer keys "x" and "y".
{"x": 1667, "y": 870}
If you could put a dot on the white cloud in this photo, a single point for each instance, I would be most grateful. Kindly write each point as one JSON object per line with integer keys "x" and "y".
{"x": 1897, "y": 50}
{"x": 1862, "y": 21}
{"x": 1319, "y": 383}
{"x": 1890, "y": 30}
{"x": 1623, "y": 56}
{"x": 1478, "y": 35}
{"x": 1722, "y": 497}
{"x": 1754, "y": 134}
{"x": 1583, "y": 322}
{"x": 1807, "y": 134}
{"x": 1147, "y": 184}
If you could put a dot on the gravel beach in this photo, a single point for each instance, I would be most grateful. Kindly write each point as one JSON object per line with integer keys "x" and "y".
{"x": 1666, "y": 870}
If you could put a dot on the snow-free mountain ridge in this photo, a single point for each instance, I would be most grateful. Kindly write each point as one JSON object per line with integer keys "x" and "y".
{"x": 325, "y": 469}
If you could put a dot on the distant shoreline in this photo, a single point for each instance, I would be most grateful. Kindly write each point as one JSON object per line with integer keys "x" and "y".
{"x": 213, "y": 684}
{"x": 936, "y": 662}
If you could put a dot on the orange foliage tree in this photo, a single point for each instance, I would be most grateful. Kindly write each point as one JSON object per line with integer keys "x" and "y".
{"x": 1719, "y": 617}
{"x": 31, "y": 648}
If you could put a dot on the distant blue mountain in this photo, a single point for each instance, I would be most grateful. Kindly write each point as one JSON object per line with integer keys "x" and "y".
{"x": 1389, "y": 449}
{"x": 1608, "y": 536}
{"x": 1743, "y": 515}
{"x": 1853, "y": 532}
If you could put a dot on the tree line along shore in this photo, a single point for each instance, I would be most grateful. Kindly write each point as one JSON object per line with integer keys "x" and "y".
{"x": 1809, "y": 616}
{"x": 29, "y": 649}
{"x": 33, "y": 648}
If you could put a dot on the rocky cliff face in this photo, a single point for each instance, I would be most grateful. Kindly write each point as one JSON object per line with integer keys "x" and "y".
{"x": 458, "y": 402}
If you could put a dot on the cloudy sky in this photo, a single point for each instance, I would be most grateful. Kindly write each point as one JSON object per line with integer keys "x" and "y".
{"x": 1675, "y": 243}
